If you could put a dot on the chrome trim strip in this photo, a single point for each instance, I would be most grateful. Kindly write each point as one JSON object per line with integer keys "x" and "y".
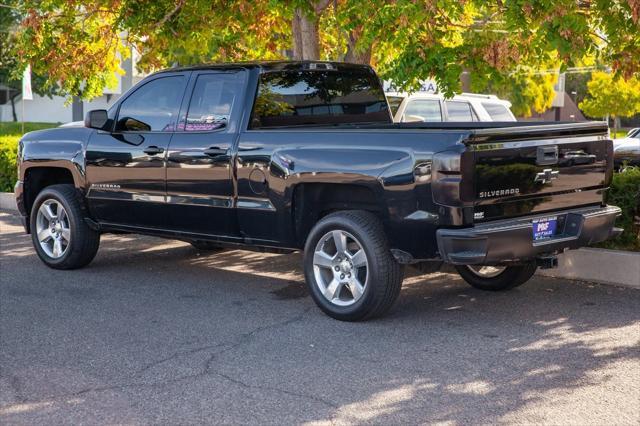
{"x": 185, "y": 200}
{"x": 533, "y": 143}
{"x": 204, "y": 201}
{"x": 255, "y": 203}
{"x": 119, "y": 195}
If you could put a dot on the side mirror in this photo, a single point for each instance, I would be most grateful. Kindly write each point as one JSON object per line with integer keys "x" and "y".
{"x": 96, "y": 119}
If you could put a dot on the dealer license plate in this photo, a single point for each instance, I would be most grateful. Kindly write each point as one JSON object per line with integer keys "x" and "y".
{"x": 544, "y": 227}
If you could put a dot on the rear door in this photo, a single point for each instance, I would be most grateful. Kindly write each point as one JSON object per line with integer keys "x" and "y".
{"x": 539, "y": 170}
{"x": 126, "y": 165}
{"x": 199, "y": 172}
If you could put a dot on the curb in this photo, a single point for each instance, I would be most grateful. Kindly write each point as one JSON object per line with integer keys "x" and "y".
{"x": 8, "y": 201}
{"x": 616, "y": 267}
{"x": 586, "y": 264}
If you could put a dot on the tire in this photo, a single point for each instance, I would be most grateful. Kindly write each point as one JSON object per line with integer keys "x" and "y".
{"x": 205, "y": 246}
{"x": 78, "y": 242}
{"x": 376, "y": 285}
{"x": 510, "y": 277}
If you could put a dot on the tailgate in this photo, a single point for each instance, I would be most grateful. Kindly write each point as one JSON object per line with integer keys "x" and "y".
{"x": 524, "y": 170}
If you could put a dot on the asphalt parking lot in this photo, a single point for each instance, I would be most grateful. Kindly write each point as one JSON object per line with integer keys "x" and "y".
{"x": 153, "y": 332}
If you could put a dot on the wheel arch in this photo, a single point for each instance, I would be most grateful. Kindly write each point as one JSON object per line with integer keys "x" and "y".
{"x": 312, "y": 201}
{"x": 36, "y": 178}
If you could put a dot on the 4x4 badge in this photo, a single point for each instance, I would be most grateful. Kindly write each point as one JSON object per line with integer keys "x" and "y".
{"x": 546, "y": 176}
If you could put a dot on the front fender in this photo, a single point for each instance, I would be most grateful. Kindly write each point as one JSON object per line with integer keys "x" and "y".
{"x": 59, "y": 148}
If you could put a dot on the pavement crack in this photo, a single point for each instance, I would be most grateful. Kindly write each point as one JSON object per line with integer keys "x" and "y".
{"x": 246, "y": 338}
{"x": 207, "y": 367}
{"x": 308, "y": 397}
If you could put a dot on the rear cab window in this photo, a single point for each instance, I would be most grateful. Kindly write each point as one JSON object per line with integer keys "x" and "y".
{"x": 312, "y": 97}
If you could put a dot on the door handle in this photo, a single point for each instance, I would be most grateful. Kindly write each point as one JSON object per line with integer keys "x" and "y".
{"x": 214, "y": 151}
{"x": 153, "y": 150}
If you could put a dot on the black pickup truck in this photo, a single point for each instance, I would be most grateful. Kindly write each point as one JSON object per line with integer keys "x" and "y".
{"x": 285, "y": 156}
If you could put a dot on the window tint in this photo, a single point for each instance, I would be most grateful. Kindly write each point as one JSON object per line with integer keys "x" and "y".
{"x": 152, "y": 107}
{"x": 423, "y": 110}
{"x": 212, "y": 101}
{"x": 459, "y": 111}
{"x": 497, "y": 112}
{"x": 314, "y": 97}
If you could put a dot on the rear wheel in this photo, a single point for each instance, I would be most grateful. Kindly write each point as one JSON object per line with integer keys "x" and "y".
{"x": 496, "y": 278}
{"x": 349, "y": 269}
{"x": 61, "y": 237}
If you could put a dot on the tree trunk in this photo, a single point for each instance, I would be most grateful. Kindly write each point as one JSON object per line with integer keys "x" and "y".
{"x": 13, "y": 108}
{"x": 297, "y": 35}
{"x": 465, "y": 80}
{"x": 304, "y": 27}
{"x": 353, "y": 55}
{"x": 310, "y": 38}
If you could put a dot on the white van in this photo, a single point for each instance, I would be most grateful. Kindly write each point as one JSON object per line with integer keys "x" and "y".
{"x": 430, "y": 107}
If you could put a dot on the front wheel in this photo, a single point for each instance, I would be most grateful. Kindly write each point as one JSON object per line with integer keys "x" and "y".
{"x": 349, "y": 269}
{"x": 60, "y": 235}
{"x": 496, "y": 278}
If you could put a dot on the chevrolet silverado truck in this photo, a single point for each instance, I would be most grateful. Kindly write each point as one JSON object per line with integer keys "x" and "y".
{"x": 289, "y": 156}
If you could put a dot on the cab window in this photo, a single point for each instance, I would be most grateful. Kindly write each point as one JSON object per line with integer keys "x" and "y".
{"x": 423, "y": 110}
{"x": 459, "y": 111}
{"x": 394, "y": 103}
{"x": 212, "y": 102}
{"x": 497, "y": 112}
{"x": 153, "y": 107}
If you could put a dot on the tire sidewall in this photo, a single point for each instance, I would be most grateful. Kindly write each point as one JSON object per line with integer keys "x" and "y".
{"x": 340, "y": 223}
{"x": 52, "y": 194}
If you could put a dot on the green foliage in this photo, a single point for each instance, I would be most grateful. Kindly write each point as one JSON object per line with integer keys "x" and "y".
{"x": 10, "y": 66}
{"x": 612, "y": 96}
{"x": 625, "y": 193}
{"x": 10, "y": 134}
{"x": 508, "y": 47}
{"x": 8, "y": 167}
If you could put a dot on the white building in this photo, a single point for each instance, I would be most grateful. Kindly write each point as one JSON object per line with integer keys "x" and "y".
{"x": 54, "y": 110}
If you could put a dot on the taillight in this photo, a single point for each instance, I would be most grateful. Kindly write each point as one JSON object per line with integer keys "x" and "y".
{"x": 447, "y": 178}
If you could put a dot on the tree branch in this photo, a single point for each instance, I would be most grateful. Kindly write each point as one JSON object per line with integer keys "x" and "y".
{"x": 170, "y": 15}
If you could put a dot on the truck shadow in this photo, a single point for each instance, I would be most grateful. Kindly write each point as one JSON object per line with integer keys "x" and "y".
{"x": 450, "y": 353}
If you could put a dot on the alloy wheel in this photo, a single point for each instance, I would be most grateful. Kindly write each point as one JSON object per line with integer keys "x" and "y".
{"x": 53, "y": 228}
{"x": 340, "y": 268}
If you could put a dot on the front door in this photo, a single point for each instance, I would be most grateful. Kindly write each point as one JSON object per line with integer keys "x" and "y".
{"x": 199, "y": 167}
{"x": 126, "y": 166}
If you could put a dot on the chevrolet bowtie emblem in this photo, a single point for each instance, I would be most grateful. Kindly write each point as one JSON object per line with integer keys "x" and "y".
{"x": 546, "y": 176}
